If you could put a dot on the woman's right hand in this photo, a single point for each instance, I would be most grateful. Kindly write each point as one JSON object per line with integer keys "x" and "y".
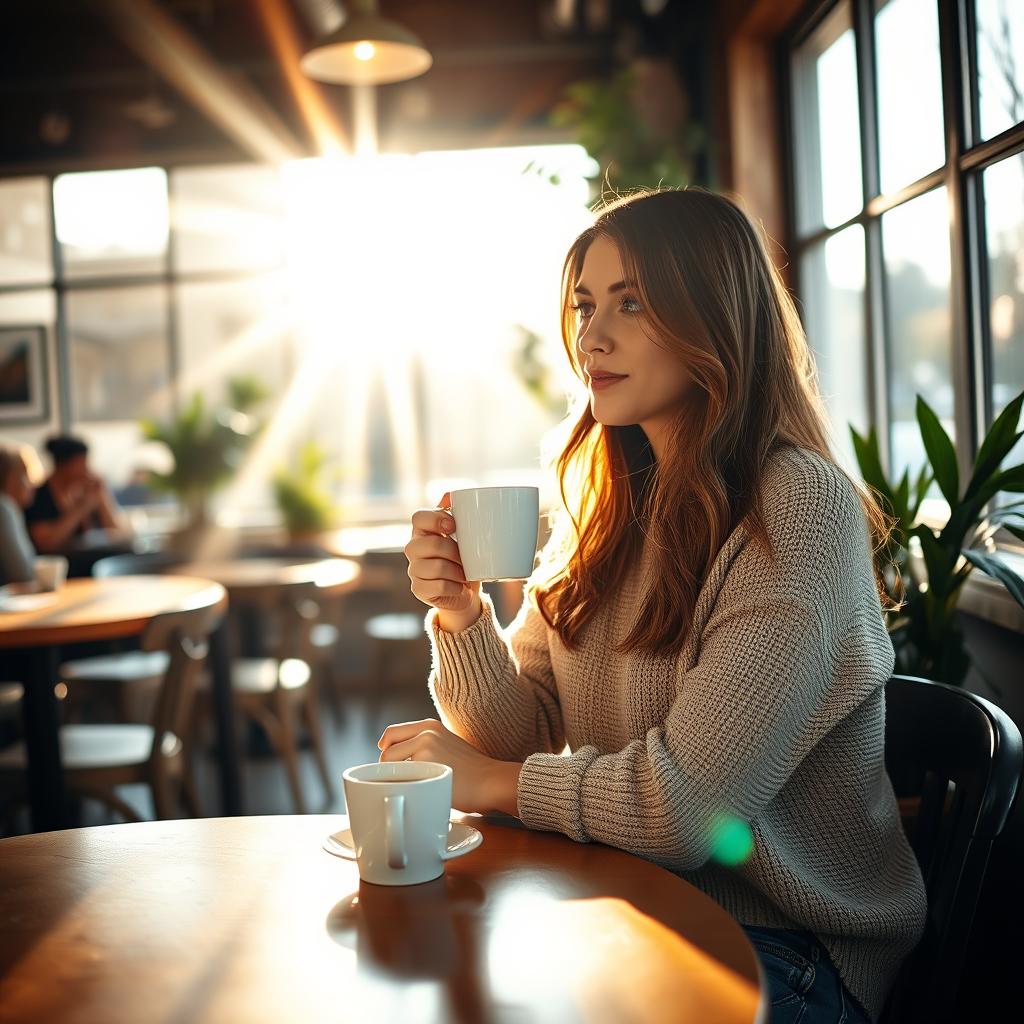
{"x": 435, "y": 569}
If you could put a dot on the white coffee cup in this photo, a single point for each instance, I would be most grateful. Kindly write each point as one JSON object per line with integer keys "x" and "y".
{"x": 51, "y": 571}
{"x": 398, "y": 815}
{"x": 496, "y": 529}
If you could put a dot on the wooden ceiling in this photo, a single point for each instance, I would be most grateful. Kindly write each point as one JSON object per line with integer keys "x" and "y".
{"x": 78, "y": 90}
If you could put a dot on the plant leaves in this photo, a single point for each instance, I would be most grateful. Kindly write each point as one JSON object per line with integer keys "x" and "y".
{"x": 998, "y": 569}
{"x": 938, "y": 560}
{"x": 941, "y": 453}
{"x": 1011, "y": 479}
{"x": 1017, "y": 531}
{"x": 998, "y": 443}
{"x": 870, "y": 463}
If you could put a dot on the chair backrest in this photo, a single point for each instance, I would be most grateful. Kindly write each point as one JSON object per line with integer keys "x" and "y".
{"x": 147, "y": 563}
{"x": 958, "y": 758}
{"x": 183, "y": 635}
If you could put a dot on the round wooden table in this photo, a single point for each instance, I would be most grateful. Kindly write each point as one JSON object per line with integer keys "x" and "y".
{"x": 247, "y": 919}
{"x": 82, "y": 610}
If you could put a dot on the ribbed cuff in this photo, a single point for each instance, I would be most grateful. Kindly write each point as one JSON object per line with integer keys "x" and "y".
{"x": 465, "y": 663}
{"x": 549, "y": 794}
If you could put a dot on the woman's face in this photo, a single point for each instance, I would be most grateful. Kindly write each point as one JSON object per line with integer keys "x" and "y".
{"x": 631, "y": 378}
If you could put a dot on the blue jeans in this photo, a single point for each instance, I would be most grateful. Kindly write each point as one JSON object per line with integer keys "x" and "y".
{"x": 803, "y": 984}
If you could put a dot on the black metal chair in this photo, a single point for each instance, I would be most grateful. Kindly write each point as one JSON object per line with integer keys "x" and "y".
{"x": 956, "y": 759}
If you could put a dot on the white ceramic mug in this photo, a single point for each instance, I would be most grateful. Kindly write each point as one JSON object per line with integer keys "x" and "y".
{"x": 398, "y": 814}
{"x": 51, "y": 571}
{"x": 496, "y": 529}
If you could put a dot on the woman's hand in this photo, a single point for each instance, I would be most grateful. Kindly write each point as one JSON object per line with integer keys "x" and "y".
{"x": 479, "y": 783}
{"x": 435, "y": 569}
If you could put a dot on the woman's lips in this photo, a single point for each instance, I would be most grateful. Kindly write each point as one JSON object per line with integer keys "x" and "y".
{"x": 600, "y": 381}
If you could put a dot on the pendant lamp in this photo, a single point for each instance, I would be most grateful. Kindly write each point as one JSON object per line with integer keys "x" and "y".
{"x": 366, "y": 50}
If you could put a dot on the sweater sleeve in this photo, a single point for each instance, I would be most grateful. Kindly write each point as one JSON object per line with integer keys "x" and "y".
{"x": 498, "y": 692}
{"x": 17, "y": 556}
{"x": 793, "y": 644}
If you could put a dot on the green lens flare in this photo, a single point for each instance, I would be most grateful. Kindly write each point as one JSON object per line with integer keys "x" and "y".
{"x": 732, "y": 842}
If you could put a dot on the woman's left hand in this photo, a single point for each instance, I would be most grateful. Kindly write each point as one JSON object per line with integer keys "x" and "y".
{"x": 479, "y": 783}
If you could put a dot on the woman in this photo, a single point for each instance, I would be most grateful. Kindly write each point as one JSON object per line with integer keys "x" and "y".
{"x": 72, "y": 501}
{"x": 17, "y": 556}
{"x": 705, "y": 632}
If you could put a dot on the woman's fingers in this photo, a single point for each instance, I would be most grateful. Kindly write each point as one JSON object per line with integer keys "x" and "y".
{"x": 405, "y": 730}
{"x": 432, "y": 520}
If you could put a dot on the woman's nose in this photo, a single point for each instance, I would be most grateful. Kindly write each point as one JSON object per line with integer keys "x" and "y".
{"x": 594, "y": 338}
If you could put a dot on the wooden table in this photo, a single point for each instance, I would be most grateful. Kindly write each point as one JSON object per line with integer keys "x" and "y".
{"x": 82, "y": 610}
{"x": 246, "y": 919}
{"x": 253, "y": 582}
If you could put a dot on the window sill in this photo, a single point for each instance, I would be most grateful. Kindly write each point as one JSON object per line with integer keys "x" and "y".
{"x": 986, "y": 599}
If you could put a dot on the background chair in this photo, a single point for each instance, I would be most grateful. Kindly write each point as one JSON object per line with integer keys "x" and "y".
{"x": 957, "y": 759}
{"x": 99, "y": 758}
{"x": 123, "y": 683}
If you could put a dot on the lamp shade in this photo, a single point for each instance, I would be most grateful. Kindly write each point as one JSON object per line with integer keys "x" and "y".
{"x": 367, "y": 50}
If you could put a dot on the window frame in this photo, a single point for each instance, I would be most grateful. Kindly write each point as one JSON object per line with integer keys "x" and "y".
{"x": 966, "y": 160}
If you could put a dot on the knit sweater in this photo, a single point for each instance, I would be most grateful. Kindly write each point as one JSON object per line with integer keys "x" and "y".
{"x": 773, "y": 713}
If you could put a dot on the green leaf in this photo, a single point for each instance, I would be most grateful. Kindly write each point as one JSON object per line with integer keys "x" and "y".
{"x": 924, "y": 481}
{"x": 902, "y": 496}
{"x": 1017, "y": 531}
{"x": 998, "y": 443}
{"x": 938, "y": 559}
{"x": 998, "y": 569}
{"x": 870, "y": 463}
{"x": 1009, "y": 480}
{"x": 941, "y": 453}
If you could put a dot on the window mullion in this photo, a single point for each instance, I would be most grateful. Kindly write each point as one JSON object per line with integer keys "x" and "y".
{"x": 62, "y": 354}
{"x": 874, "y": 289}
{"x": 952, "y": 50}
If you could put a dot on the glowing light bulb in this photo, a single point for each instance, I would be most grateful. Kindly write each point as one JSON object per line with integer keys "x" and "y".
{"x": 365, "y": 51}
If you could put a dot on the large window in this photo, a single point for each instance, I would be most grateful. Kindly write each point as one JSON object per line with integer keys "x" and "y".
{"x": 384, "y": 303}
{"x": 907, "y": 128}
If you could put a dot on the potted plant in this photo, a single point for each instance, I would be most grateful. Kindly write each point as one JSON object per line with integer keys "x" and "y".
{"x": 925, "y": 568}
{"x": 302, "y": 497}
{"x": 207, "y": 446}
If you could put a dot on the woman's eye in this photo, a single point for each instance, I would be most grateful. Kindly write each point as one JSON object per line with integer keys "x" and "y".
{"x": 584, "y": 310}
{"x": 630, "y": 305}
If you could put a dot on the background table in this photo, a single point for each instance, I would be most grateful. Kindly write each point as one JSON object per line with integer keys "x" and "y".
{"x": 82, "y": 610}
{"x": 246, "y": 919}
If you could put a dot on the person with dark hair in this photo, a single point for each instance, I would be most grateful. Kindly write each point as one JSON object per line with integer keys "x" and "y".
{"x": 72, "y": 500}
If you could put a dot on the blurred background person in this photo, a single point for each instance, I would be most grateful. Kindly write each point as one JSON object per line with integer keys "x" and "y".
{"x": 17, "y": 555}
{"x": 72, "y": 501}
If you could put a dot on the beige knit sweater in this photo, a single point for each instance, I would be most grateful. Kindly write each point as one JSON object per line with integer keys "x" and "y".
{"x": 773, "y": 712}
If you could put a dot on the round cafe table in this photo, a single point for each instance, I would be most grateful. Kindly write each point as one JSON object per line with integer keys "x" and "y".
{"x": 81, "y": 610}
{"x": 247, "y": 919}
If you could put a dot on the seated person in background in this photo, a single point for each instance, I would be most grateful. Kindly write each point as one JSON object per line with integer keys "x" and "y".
{"x": 17, "y": 556}
{"x": 72, "y": 501}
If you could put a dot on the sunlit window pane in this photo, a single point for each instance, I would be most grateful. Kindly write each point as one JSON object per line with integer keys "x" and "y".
{"x": 112, "y": 223}
{"x": 1004, "y": 227}
{"x": 827, "y": 124}
{"x": 832, "y": 279}
{"x": 25, "y": 249}
{"x": 915, "y": 239}
{"x": 1000, "y": 64}
{"x": 417, "y": 283}
{"x": 119, "y": 352}
{"x": 227, "y": 218}
{"x": 232, "y": 329}
{"x": 910, "y": 127}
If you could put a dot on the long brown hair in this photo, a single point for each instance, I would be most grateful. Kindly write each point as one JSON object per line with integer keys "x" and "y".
{"x": 712, "y": 296}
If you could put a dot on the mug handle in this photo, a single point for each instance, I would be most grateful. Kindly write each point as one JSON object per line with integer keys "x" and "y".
{"x": 394, "y": 831}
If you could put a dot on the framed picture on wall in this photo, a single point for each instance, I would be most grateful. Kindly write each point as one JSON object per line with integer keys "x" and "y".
{"x": 24, "y": 384}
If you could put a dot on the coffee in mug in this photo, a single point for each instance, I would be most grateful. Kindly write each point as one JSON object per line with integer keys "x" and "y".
{"x": 496, "y": 529}
{"x": 398, "y": 815}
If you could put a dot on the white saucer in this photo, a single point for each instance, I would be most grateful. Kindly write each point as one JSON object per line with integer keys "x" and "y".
{"x": 461, "y": 839}
{"x": 25, "y": 602}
